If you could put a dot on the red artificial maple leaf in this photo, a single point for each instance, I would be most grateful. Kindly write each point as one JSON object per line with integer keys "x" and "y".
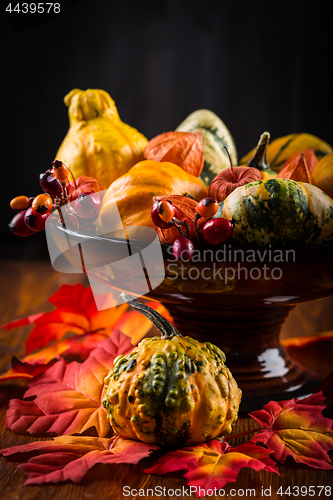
{"x": 70, "y": 457}
{"x": 68, "y": 395}
{"x": 214, "y": 464}
{"x": 297, "y": 428}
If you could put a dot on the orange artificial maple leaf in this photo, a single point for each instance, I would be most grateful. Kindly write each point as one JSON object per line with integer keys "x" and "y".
{"x": 76, "y": 313}
{"x": 69, "y": 458}
{"x": 297, "y": 170}
{"x": 309, "y": 156}
{"x": 213, "y": 464}
{"x": 75, "y": 328}
{"x": 298, "y": 428}
{"x": 68, "y": 395}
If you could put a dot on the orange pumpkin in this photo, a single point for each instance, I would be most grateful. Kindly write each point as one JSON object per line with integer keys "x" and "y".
{"x": 132, "y": 195}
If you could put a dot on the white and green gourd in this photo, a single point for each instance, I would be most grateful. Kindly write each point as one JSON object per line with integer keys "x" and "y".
{"x": 215, "y": 135}
{"x": 279, "y": 212}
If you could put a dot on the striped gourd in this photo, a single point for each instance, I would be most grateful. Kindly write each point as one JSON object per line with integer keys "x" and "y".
{"x": 281, "y": 148}
{"x": 215, "y": 135}
{"x": 279, "y": 212}
{"x": 323, "y": 174}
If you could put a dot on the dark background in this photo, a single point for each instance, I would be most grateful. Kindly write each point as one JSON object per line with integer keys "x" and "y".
{"x": 259, "y": 66}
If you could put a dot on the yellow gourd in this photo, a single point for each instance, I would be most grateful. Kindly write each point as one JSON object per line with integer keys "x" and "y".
{"x": 323, "y": 174}
{"x": 281, "y": 148}
{"x": 98, "y": 144}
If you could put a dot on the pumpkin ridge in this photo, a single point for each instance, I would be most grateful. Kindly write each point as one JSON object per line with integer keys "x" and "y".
{"x": 160, "y": 432}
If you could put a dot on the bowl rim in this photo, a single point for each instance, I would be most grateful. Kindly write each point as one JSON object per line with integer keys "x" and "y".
{"x": 139, "y": 245}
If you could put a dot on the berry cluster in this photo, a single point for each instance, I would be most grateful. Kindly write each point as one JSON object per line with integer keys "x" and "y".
{"x": 34, "y": 211}
{"x": 214, "y": 232}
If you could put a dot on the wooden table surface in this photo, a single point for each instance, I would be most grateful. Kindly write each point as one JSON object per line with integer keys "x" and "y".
{"x": 25, "y": 287}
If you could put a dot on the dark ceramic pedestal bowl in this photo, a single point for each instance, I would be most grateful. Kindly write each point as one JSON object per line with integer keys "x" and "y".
{"x": 236, "y": 298}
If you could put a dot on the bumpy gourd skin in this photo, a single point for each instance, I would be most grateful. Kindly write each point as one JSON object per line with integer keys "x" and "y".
{"x": 172, "y": 391}
{"x": 98, "y": 144}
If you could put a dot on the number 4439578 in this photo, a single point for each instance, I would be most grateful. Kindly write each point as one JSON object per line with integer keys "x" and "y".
{"x": 34, "y": 8}
{"x": 311, "y": 491}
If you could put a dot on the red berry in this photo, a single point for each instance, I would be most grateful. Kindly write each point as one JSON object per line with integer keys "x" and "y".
{"x": 88, "y": 206}
{"x": 35, "y": 221}
{"x": 42, "y": 204}
{"x": 183, "y": 248}
{"x": 207, "y": 207}
{"x": 50, "y": 184}
{"x": 17, "y": 225}
{"x": 217, "y": 231}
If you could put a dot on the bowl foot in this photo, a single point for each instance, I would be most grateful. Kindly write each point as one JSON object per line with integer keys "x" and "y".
{"x": 249, "y": 337}
{"x": 268, "y": 374}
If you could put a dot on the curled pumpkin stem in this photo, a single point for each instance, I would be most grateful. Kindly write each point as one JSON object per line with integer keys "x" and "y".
{"x": 165, "y": 327}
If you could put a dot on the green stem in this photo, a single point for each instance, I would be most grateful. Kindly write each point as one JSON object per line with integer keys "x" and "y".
{"x": 259, "y": 159}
